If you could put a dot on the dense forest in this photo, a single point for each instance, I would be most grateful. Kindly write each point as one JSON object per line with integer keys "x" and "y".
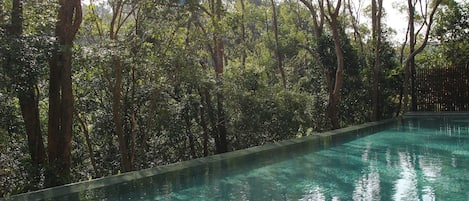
{"x": 96, "y": 88}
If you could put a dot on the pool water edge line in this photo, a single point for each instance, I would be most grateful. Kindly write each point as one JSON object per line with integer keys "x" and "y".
{"x": 440, "y": 114}
{"x": 323, "y": 139}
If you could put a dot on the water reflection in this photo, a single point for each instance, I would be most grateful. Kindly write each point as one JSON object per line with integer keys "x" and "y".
{"x": 431, "y": 168}
{"x": 406, "y": 186}
{"x": 317, "y": 193}
{"x": 428, "y": 193}
{"x": 388, "y": 158}
{"x": 367, "y": 187}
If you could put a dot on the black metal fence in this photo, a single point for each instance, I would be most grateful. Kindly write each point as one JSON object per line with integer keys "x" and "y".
{"x": 443, "y": 89}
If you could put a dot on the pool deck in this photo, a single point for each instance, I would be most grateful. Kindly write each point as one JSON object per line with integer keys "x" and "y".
{"x": 312, "y": 142}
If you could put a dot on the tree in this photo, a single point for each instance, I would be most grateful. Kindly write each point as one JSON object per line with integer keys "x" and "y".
{"x": 243, "y": 33}
{"x": 25, "y": 80}
{"x": 317, "y": 15}
{"x": 114, "y": 28}
{"x": 409, "y": 63}
{"x": 60, "y": 93}
{"x": 158, "y": 82}
{"x": 335, "y": 89}
{"x": 376, "y": 15}
{"x": 355, "y": 24}
{"x": 217, "y": 11}
{"x": 278, "y": 55}
{"x": 334, "y": 78}
{"x": 121, "y": 13}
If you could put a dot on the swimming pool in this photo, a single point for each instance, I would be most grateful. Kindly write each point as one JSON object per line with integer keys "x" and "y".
{"x": 423, "y": 158}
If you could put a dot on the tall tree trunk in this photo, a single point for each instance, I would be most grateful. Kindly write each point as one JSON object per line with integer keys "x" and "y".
{"x": 133, "y": 119}
{"x": 203, "y": 122}
{"x": 125, "y": 149}
{"x": 334, "y": 94}
{"x": 2, "y": 18}
{"x": 212, "y": 118}
{"x": 30, "y": 112}
{"x": 376, "y": 13}
{"x": 409, "y": 69}
{"x": 221, "y": 123}
{"x": 84, "y": 127}
{"x": 27, "y": 95}
{"x": 404, "y": 80}
{"x": 189, "y": 134}
{"x": 219, "y": 65}
{"x": 243, "y": 35}
{"x": 117, "y": 116}
{"x": 410, "y": 65}
{"x": 278, "y": 55}
{"x": 61, "y": 95}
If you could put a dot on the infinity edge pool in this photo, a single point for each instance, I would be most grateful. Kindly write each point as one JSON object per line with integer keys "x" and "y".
{"x": 313, "y": 142}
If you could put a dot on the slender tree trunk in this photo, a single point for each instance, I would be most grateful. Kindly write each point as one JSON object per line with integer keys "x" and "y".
{"x": 89, "y": 145}
{"x": 219, "y": 65}
{"x": 403, "y": 81}
{"x": 61, "y": 95}
{"x": 192, "y": 145}
{"x": 2, "y": 18}
{"x": 53, "y": 138}
{"x": 376, "y": 9}
{"x": 189, "y": 133}
{"x": 333, "y": 111}
{"x": 333, "y": 80}
{"x": 411, "y": 62}
{"x": 334, "y": 94}
{"x": 30, "y": 111}
{"x": 117, "y": 116}
{"x": 203, "y": 122}
{"x": 133, "y": 119}
{"x": 220, "y": 125}
{"x": 212, "y": 118}
{"x": 126, "y": 150}
{"x": 27, "y": 96}
{"x": 243, "y": 34}
{"x": 223, "y": 146}
{"x": 277, "y": 46}
{"x": 413, "y": 51}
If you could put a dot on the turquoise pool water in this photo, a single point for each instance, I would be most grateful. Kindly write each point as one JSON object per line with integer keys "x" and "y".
{"x": 416, "y": 159}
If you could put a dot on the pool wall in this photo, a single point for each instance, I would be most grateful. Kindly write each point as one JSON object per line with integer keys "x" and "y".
{"x": 177, "y": 172}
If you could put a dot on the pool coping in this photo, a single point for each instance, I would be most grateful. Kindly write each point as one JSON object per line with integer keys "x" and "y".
{"x": 418, "y": 114}
{"x": 322, "y": 140}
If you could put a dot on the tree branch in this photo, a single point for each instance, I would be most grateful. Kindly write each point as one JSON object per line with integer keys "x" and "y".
{"x": 427, "y": 33}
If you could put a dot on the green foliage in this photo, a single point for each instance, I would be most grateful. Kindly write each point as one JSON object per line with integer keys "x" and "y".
{"x": 390, "y": 83}
{"x": 23, "y": 63}
{"x": 40, "y": 17}
{"x": 452, "y": 25}
{"x": 259, "y": 113}
{"x": 17, "y": 174}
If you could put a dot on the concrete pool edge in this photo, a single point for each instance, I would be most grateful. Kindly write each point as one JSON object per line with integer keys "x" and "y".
{"x": 448, "y": 113}
{"x": 321, "y": 140}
